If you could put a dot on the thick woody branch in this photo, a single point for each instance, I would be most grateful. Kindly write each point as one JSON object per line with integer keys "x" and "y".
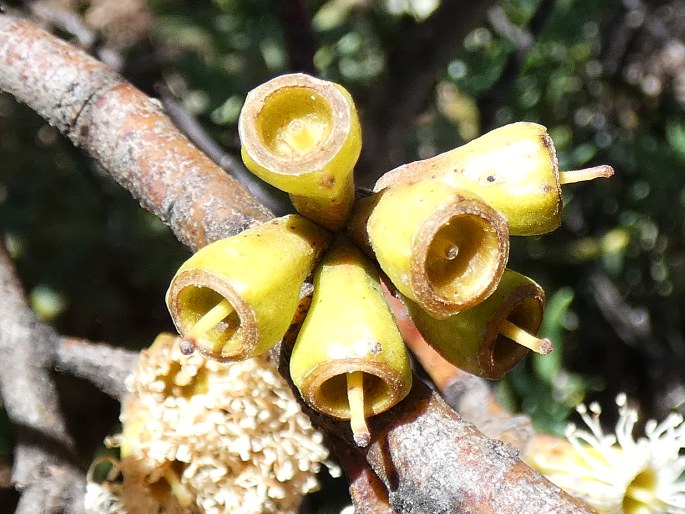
{"x": 44, "y": 466}
{"x": 426, "y": 455}
{"x": 274, "y": 199}
{"x": 432, "y": 460}
{"x": 127, "y": 133}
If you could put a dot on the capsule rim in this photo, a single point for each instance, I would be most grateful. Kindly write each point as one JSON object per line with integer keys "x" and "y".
{"x": 200, "y": 278}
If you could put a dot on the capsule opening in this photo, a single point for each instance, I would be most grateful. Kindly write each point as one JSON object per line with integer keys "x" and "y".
{"x": 333, "y": 395}
{"x": 507, "y": 353}
{"x": 463, "y": 257}
{"x": 219, "y": 339}
{"x": 294, "y": 121}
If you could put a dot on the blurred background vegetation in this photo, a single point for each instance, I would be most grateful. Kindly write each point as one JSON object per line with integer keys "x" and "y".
{"x": 606, "y": 78}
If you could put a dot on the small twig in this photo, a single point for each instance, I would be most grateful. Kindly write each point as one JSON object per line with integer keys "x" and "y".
{"x": 44, "y": 456}
{"x": 523, "y": 39}
{"x": 71, "y": 23}
{"x": 620, "y": 36}
{"x": 65, "y": 20}
{"x": 104, "y": 366}
{"x": 631, "y": 324}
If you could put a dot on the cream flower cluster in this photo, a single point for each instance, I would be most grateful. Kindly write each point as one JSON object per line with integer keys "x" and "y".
{"x": 204, "y": 436}
{"x": 616, "y": 473}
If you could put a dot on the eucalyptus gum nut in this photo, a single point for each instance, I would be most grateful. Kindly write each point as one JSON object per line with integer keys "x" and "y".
{"x": 513, "y": 168}
{"x": 471, "y": 339}
{"x": 259, "y": 272}
{"x": 302, "y": 135}
{"x": 441, "y": 247}
{"x": 349, "y": 328}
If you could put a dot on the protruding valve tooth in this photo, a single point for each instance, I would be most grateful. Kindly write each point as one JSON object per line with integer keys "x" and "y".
{"x": 355, "y": 397}
{"x": 573, "y": 176}
{"x": 209, "y": 320}
{"x": 520, "y": 336}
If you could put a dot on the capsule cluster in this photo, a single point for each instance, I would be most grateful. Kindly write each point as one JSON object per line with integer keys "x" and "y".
{"x": 437, "y": 229}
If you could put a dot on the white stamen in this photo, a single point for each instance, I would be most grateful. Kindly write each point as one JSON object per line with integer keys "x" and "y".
{"x": 608, "y": 469}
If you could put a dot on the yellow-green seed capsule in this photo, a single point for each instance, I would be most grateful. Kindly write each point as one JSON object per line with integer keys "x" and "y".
{"x": 443, "y": 248}
{"x": 492, "y": 337}
{"x": 349, "y": 360}
{"x": 236, "y": 297}
{"x": 302, "y": 135}
{"x": 513, "y": 168}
